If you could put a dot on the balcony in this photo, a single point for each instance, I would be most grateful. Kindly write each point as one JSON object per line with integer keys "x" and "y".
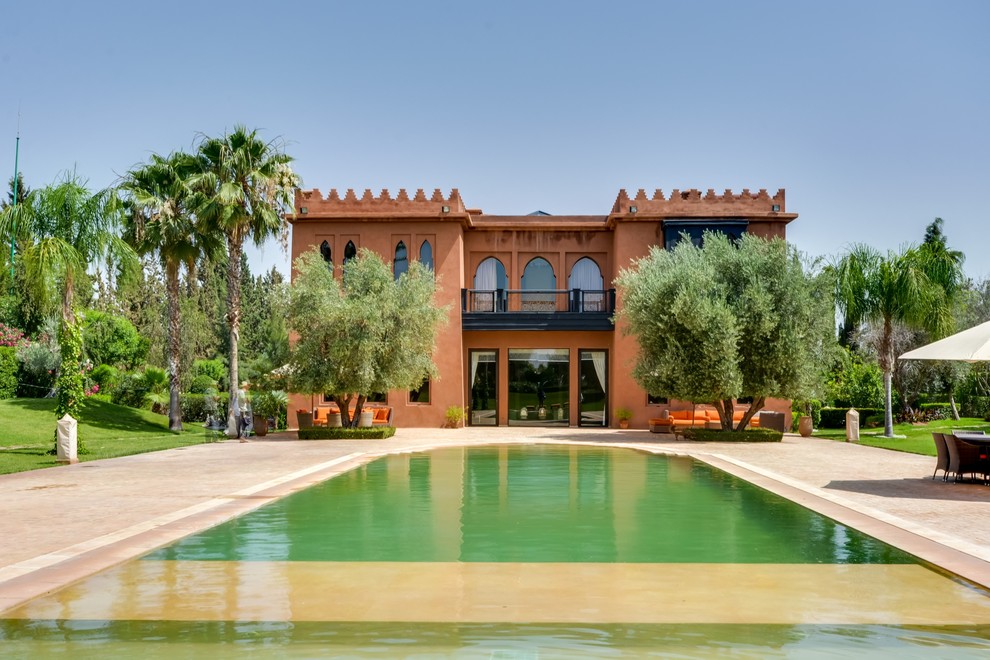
{"x": 529, "y": 309}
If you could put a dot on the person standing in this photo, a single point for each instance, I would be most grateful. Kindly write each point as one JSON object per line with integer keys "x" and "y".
{"x": 244, "y": 410}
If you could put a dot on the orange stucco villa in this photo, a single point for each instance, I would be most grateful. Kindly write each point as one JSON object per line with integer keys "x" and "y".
{"x": 531, "y": 340}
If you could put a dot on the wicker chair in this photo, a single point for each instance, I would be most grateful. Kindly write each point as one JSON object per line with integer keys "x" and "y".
{"x": 965, "y": 458}
{"x": 942, "y": 451}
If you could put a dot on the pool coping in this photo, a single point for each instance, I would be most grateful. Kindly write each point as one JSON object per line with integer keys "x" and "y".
{"x": 45, "y": 573}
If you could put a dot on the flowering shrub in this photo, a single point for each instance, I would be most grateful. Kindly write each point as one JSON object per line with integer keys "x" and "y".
{"x": 10, "y": 336}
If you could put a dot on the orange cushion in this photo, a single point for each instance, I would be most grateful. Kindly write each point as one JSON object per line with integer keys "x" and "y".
{"x": 381, "y": 414}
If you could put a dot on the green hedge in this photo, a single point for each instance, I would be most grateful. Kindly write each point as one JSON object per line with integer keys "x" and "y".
{"x": 835, "y": 418}
{"x": 194, "y": 407}
{"x": 717, "y": 435}
{"x": 8, "y": 372}
{"x": 340, "y": 433}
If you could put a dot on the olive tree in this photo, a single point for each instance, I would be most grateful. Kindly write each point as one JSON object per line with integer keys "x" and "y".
{"x": 731, "y": 319}
{"x": 362, "y": 333}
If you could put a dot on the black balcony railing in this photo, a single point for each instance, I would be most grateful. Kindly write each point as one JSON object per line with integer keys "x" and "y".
{"x": 537, "y": 309}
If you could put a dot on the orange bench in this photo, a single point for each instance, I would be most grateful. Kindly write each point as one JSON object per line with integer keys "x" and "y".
{"x": 679, "y": 419}
{"x": 382, "y": 415}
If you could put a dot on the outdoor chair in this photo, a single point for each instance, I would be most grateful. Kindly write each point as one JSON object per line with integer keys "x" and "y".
{"x": 942, "y": 451}
{"x": 965, "y": 458}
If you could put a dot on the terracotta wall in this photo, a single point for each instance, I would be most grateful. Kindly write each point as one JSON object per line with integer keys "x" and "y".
{"x": 446, "y": 239}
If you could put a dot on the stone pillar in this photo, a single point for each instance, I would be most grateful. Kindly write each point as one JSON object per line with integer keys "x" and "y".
{"x": 852, "y": 425}
{"x": 68, "y": 440}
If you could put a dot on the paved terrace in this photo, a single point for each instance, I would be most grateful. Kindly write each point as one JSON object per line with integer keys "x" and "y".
{"x": 62, "y": 524}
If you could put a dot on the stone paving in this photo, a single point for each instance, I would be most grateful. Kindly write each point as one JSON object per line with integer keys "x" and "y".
{"x": 62, "y": 524}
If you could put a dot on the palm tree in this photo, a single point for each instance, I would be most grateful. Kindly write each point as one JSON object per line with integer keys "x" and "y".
{"x": 162, "y": 221}
{"x": 61, "y": 230}
{"x": 888, "y": 290}
{"x": 247, "y": 186}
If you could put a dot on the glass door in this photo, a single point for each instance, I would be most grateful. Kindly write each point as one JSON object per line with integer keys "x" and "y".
{"x": 539, "y": 382}
{"x": 484, "y": 387}
{"x": 593, "y": 392}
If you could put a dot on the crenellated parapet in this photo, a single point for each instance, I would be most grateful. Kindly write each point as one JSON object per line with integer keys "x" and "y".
{"x": 694, "y": 202}
{"x": 313, "y": 203}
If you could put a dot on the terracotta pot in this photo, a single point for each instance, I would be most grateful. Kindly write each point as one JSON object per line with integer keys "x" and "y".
{"x": 260, "y": 425}
{"x": 804, "y": 426}
{"x": 623, "y": 423}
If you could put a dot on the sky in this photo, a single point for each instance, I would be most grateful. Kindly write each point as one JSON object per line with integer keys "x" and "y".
{"x": 873, "y": 115}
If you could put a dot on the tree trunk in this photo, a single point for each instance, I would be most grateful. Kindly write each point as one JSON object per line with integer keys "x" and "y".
{"x": 172, "y": 289}
{"x": 952, "y": 403}
{"x": 725, "y": 410}
{"x": 748, "y": 415}
{"x": 886, "y": 360}
{"x": 888, "y": 417}
{"x": 343, "y": 405}
{"x": 235, "y": 244}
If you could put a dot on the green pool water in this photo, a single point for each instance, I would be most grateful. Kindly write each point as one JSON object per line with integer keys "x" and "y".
{"x": 535, "y": 504}
{"x": 516, "y": 552}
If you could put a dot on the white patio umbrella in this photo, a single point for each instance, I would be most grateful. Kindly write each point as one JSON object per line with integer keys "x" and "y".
{"x": 971, "y": 345}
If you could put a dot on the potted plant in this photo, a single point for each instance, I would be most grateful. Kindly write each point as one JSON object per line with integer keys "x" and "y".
{"x": 265, "y": 405}
{"x": 455, "y": 417}
{"x": 805, "y": 420}
{"x": 623, "y": 415}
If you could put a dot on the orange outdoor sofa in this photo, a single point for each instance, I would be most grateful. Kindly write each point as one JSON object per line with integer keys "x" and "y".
{"x": 382, "y": 414}
{"x": 679, "y": 419}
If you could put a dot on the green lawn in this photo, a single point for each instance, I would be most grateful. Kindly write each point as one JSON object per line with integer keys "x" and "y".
{"x": 27, "y": 433}
{"x": 918, "y": 438}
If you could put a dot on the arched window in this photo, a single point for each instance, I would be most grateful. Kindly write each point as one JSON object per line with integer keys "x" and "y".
{"x": 401, "y": 263}
{"x": 326, "y": 253}
{"x": 349, "y": 251}
{"x": 587, "y": 277}
{"x": 538, "y": 276}
{"x": 426, "y": 254}
{"x": 489, "y": 277}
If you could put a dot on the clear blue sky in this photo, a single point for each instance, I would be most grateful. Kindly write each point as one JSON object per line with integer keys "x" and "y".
{"x": 873, "y": 115}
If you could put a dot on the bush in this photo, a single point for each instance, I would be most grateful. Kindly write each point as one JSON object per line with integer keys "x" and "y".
{"x": 193, "y": 407}
{"x": 39, "y": 363}
{"x": 11, "y": 336}
{"x": 202, "y": 384}
{"x": 340, "y": 433}
{"x": 835, "y": 418}
{"x": 718, "y": 435}
{"x": 131, "y": 391}
{"x": 111, "y": 339}
{"x": 106, "y": 376}
{"x": 8, "y": 372}
{"x": 926, "y": 412}
{"x": 215, "y": 369}
{"x": 975, "y": 406}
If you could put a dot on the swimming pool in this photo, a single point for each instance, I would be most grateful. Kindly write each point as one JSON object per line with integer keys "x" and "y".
{"x": 516, "y": 551}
